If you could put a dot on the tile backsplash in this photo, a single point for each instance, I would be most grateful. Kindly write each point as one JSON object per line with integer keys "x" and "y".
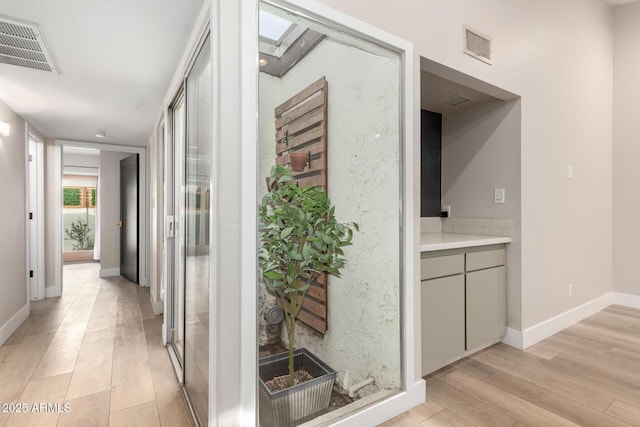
{"x": 482, "y": 226}
{"x": 431, "y": 225}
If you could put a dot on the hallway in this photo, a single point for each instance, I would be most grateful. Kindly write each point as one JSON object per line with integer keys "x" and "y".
{"x": 97, "y": 353}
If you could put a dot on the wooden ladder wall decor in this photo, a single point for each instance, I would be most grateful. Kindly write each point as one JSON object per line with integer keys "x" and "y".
{"x": 301, "y": 126}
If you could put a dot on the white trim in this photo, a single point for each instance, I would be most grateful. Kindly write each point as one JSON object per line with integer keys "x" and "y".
{"x": 542, "y": 330}
{"x": 157, "y": 305}
{"x": 386, "y": 409}
{"x": 142, "y": 205}
{"x": 52, "y": 292}
{"x": 38, "y": 211}
{"x": 249, "y": 215}
{"x": 513, "y": 338}
{"x": 628, "y": 300}
{"x": 110, "y": 272}
{"x": 14, "y": 323}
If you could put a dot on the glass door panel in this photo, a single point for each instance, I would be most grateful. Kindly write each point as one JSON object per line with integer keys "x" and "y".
{"x": 196, "y": 221}
{"x": 176, "y": 247}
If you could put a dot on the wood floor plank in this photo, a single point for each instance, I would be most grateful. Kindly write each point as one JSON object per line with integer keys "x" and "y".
{"x": 503, "y": 358}
{"x": 145, "y": 414}
{"x": 446, "y": 418}
{"x": 625, "y": 311}
{"x": 92, "y": 372}
{"x": 88, "y": 411}
{"x": 172, "y": 408}
{"x": 156, "y": 351}
{"x": 611, "y": 381}
{"x": 131, "y": 382}
{"x": 466, "y": 406}
{"x": 625, "y": 411}
{"x": 552, "y": 402}
{"x": 48, "y": 391}
{"x": 614, "y": 338}
{"x": 513, "y": 406}
{"x": 424, "y": 411}
{"x": 20, "y": 364}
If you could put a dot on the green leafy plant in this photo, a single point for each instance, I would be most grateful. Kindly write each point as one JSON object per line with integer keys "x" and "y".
{"x": 81, "y": 233}
{"x": 71, "y": 196}
{"x": 301, "y": 239}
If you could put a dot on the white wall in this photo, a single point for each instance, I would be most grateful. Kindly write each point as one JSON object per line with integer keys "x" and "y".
{"x": 52, "y": 155}
{"x": 13, "y": 283}
{"x": 110, "y": 211}
{"x": 557, "y": 56}
{"x": 363, "y": 337}
{"x": 155, "y": 150}
{"x": 626, "y": 150}
{"x": 481, "y": 152}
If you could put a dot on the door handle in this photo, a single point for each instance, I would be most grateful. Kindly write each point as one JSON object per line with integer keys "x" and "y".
{"x": 119, "y": 224}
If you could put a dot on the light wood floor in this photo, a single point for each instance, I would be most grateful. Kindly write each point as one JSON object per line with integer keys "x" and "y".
{"x": 98, "y": 349}
{"x": 586, "y": 375}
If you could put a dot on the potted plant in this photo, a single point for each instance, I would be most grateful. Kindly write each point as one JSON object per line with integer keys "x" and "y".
{"x": 301, "y": 239}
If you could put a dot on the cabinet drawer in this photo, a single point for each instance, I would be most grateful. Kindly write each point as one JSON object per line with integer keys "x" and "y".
{"x": 440, "y": 266}
{"x": 486, "y": 259}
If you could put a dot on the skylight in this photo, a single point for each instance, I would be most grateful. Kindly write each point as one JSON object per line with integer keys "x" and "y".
{"x": 273, "y": 27}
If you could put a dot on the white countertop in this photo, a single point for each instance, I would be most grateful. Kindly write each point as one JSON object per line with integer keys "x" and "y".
{"x": 439, "y": 241}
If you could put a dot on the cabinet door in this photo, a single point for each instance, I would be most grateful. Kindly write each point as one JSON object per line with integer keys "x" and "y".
{"x": 486, "y": 306}
{"x": 442, "y": 321}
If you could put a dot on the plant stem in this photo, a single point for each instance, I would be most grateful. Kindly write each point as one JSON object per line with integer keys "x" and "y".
{"x": 292, "y": 324}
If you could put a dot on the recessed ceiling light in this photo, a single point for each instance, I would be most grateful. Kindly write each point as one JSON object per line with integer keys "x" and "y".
{"x": 263, "y": 62}
{"x": 101, "y": 134}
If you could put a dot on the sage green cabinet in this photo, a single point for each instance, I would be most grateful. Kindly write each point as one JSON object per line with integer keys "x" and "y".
{"x": 463, "y": 302}
{"x": 443, "y": 321}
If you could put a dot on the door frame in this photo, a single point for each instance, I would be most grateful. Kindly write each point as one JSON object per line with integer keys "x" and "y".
{"x": 57, "y": 288}
{"x": 36, "y": 290}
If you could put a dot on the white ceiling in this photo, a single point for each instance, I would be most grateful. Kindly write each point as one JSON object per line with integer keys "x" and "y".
{"x": 434, "y": 90}
{"x": 116, "y": 60}
{"x": 614, "y": 3}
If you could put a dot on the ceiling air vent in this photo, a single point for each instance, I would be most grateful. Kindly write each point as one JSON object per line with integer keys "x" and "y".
{"x": 456, "y": 100}
{"x": 477, "y": 45}
{"x": 22, "y": 44}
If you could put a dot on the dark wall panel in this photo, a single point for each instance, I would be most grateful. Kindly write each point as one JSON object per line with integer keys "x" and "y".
{"x": 431, "y": 152}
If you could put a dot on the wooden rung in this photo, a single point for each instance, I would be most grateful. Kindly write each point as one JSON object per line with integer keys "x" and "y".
{"x": 317, "y": 293}
{"x": 315, "y": 149}
{"x": 309, "y": 121}
{"x": 319, "y": 310}
{"x": 300, "y": 96}
{"x": 317, "y": 324}
{"x": 296, "y": 113}
{"x": 313, "y": 134}
{"x": 317, "y": 180}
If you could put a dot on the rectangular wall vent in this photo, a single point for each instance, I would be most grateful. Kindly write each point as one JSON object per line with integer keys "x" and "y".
{"x": 22, "y": 44}
{"x": 477, "y": 45}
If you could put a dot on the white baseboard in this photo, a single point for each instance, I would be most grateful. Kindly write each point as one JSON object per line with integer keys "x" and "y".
{"x": 157, "y": 305}
{"x": 513, "y": 338}
{"x": 52, "y": 292}
{"x": 14, "y": 323}
{"x": 628, "y": 300}
{"x": 395, "y": 405}
{"x": 545, "y": 329}
{"x": 109, "y": 272}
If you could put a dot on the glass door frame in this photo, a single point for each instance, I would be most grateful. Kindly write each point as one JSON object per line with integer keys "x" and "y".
{"x": 172, "y": 188}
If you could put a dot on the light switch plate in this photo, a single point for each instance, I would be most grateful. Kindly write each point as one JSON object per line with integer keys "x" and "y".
{"x": 498, "y": 195}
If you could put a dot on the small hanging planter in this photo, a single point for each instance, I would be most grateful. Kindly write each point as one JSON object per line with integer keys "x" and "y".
{"x": 299, "y": 160}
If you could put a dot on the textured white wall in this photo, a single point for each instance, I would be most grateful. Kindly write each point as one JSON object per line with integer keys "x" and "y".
{"x": 626, "y": 150}
{"x": 12, "y": 216}
{"x": 363, "y": 181}
{"x": 558, "y": 57}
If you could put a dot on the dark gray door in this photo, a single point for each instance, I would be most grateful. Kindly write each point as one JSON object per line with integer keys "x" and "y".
{"x": 129, "y": 218}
